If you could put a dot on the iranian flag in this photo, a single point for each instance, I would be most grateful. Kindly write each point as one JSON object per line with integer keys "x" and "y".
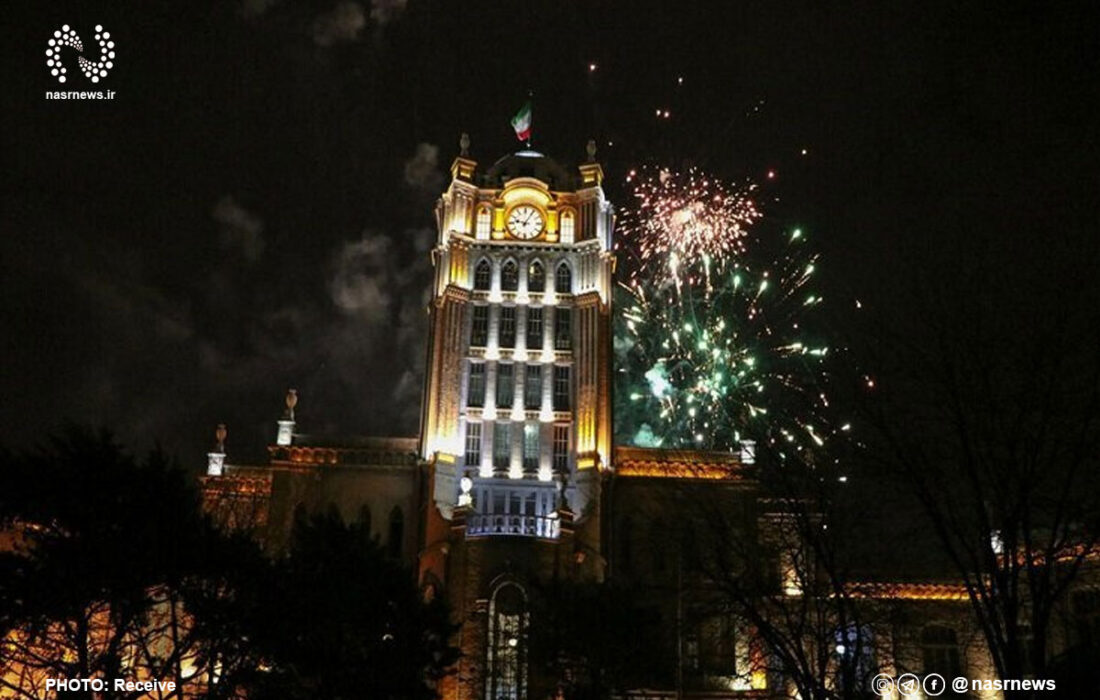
{"x": 522, "y": 122}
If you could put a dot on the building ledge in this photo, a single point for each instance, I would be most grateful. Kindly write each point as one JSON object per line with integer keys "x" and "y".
{"x": 677, "y": 464}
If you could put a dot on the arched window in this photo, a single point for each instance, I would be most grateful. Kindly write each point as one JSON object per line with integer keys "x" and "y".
{"x": 483, "y": 275}
{"x": 940, "y": 649}
{"x": 507, "y": 649}
{"x": 563, "y": 279}
{"x": 509, "y": 276}
{"x": 484, "y": 222}
{"x": 568, "y": 226}
{"x": 536, "y": 277}
{"x": 394, "y": 544}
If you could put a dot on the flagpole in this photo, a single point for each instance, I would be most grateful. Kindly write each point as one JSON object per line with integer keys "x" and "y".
{"x": 531, "y": 102}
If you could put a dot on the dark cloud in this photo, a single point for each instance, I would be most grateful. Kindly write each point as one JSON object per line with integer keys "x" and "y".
{"x": 340, "y": 25}
{"x": 422, "y": 169}
{"x": 383, "y": 11}
{"x": 363, "y": 284}
{"x": 255, "y": 8}
{"x": 241, "y": 229}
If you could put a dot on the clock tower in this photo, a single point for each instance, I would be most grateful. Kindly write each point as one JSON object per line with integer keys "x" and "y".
{"x": 516, "y": 424}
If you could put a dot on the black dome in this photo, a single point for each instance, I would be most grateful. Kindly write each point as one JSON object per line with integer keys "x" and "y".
{"x": 529, "y": 164}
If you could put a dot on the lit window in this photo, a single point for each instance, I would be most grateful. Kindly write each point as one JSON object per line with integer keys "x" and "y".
{"x": 483, "y": 275}
{"x": 563, "y": 329}
{"x": 475, "y": 390}
{"x": 479, "y": 330}
{"x": 509, "y": 276}
{"x": 507, "y": 677}
{"x": 531, "y": 446}
{"x": 536, "y": 277}
{"x": 484, "y": 222}
{"x": 534, "y": 328}
{"x": 532, "y": 388}
{"x": 567, "y": 226}
{"x": 505, "y": 387}
{"x": 507, "y": 326}
{"x": 502, "y": 445}
{"x": 563, "y": 279}
{"x": 473, "y": 444}
{"x": 561, "y": 448}
{"x": 561, "y": 388}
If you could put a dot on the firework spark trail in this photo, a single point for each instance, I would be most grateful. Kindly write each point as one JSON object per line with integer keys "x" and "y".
{"x": 685, "y": 218}
{"x": 711, "y": 345}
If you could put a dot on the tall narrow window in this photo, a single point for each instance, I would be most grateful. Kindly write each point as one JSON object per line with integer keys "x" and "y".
{"x": 536, "y": 277}
{"x": 502, "y": 445}
{"x": 563, "y": 279}
{"x": 561, "y": 448}
{"x": 506, "y": 389}
{"x": 507, "y": 677}
{"x": 475, "y": 389}
{"x": 563, "y": 328}
{"x": 473, "y": 444}
{"x": 507, "y": 326}
{"x": 484, "y": 222}
{"x": 483, "y": 276}
{"x": 532, "y": 388}
{"x": 531, "y": 446}
{"x": 395, "y": 541}
{"x": 509, "y": 276}
{"x": 568, "y": 226}
{"x": 534, "y": 328}
{"x": 479, "y": 329}
{"x": 561, "y": 388}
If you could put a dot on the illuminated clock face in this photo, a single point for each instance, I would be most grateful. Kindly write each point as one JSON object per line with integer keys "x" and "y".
{"x": 525, "y": 221}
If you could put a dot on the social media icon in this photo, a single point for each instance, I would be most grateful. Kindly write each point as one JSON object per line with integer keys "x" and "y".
{"x": 908, "y": 685}
{"x": 882, "y": 684}
{"x": 934, "y": 684}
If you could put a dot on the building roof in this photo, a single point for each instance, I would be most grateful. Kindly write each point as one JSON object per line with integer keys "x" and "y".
{"x": 677, "y": 464}
{"x": 529, "y": 163}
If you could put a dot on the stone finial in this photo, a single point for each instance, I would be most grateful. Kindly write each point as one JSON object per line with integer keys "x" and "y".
{"x": 291, "y": 402}
{"x": 219, "y": 435}
{"x": 464, "y": 144}
{"x": 591, "y": 150}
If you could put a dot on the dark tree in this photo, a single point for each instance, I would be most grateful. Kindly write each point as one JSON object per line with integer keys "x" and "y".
{"x": 596, "y": 639}
{"x": 104, "y": 557}
{"x": 991, "y": 421}
{"x": 340, "y": 619}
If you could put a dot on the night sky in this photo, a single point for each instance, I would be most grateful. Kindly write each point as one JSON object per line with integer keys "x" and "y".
{"x": 253, "y": 210}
